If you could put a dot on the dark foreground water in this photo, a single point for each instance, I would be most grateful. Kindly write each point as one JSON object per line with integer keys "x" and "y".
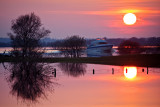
{"x": 78, "y": 85}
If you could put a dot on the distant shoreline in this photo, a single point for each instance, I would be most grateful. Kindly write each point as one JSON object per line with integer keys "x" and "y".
{"x": 141, "y": 60}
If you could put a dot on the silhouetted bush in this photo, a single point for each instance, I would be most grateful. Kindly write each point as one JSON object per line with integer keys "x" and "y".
{"x": 129, "y": 47}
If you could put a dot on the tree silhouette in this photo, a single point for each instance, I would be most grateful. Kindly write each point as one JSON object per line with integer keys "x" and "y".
{"x": 129, "y": 47}
{"x": 30, "y": 80}
{"x": 26, "y": 35}
{"x": 73, "y": 46}
{"x": 73, "y": 69}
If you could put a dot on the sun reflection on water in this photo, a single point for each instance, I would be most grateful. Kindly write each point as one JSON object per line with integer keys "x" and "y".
{"x": 130, "y": 72}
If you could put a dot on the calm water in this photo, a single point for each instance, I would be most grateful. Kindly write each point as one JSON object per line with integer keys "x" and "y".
{"x": 47, "y": 49}
{"x": 50, "y": 52}
{"x": 76, "y": 85}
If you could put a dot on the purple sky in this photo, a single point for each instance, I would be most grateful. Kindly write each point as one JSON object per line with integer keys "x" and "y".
{"x": 87, "y": 18}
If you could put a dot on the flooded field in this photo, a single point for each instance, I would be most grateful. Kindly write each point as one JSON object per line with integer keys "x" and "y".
{"x": 78, "y": 85}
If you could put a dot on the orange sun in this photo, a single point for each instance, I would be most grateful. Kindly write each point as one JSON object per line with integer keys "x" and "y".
{"x": 129, "y": 19}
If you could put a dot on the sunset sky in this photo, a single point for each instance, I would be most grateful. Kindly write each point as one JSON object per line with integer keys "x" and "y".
{"x": 87, "y": 18}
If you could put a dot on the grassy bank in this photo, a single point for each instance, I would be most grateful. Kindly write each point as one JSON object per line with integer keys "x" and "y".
{"x": 150, "y": 60}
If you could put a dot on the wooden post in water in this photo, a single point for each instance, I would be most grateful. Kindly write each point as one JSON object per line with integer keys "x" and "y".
{"x": 147, "y": 70}
{"x": 93, "y": 71}
{"x": 112, "y": 70}
{"x": 54, "y": 72}
{"x": 142, "y": 70}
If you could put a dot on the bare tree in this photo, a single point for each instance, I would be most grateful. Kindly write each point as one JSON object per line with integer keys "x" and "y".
{"x": 27, "y": 32}
{"x": 74, "y": 46}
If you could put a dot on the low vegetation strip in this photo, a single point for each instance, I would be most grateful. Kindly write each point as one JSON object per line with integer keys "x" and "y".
{"x": 143, "y": 60}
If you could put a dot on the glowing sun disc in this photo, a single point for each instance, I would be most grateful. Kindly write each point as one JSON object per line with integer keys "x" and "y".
{"x": 130, "y": 72}
{"x": 129, "y": 18}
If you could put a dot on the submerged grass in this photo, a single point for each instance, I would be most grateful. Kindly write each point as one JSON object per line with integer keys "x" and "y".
{"x": 143, "y": 60}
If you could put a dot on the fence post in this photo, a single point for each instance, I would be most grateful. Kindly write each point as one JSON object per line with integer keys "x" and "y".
{"x": 112, "y": 70}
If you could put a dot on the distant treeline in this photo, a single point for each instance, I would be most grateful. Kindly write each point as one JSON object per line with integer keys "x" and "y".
{"x": 47, "y": 42}
{"x": 151, "y": 41}
{"x": 2, "y": 44}
{"x": 5, "y": 42}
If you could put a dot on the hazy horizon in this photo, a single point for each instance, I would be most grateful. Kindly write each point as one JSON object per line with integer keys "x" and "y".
{"x": 87, "y": 18}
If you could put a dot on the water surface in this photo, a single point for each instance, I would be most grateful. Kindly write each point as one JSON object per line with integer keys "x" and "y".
{"x": 76, "y": 85}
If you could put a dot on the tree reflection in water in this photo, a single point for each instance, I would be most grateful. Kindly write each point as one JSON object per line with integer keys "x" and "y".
{"x": 73, "y": 69}
{"x": 29, "y": 80}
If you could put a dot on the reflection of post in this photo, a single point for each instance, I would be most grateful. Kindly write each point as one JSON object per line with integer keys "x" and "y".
{"x": 147, "y": 70}
{"x": 55, "y": 72}
{"x": 93, "y": 71}
{"x": 112, "y": 70}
